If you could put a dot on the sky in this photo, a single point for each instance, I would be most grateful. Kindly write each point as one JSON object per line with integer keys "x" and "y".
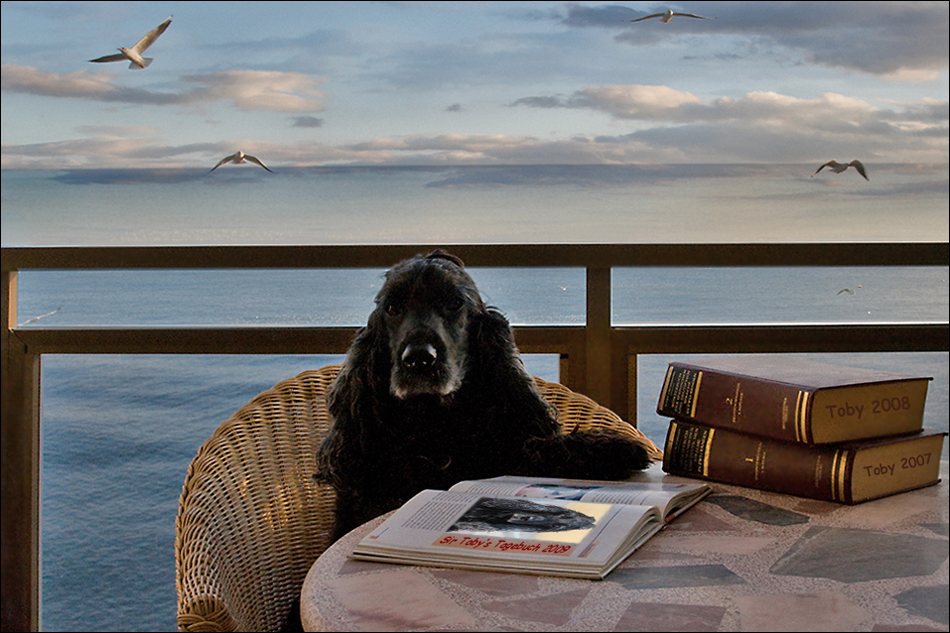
{"x": 474, "y": 83}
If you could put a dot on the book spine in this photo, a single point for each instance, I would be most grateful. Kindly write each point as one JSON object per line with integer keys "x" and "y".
{"x": 776, "y": 410}
{"x": 759, "y": 462}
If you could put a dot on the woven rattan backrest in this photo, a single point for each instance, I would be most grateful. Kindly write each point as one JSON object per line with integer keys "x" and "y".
{"x": 252, "y": 519}
{"x": 576, "y": 410}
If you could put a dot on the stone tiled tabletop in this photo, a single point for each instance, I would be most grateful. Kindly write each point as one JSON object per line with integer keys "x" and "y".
{"x": 741, "y": 560}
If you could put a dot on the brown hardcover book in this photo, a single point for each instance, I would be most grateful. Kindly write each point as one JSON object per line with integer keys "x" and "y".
{"x": 794, "y": 400}
{"x": 850, "y": 472}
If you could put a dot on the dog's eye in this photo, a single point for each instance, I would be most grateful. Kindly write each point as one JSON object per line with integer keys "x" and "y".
{"x": 455, "y": 304}
{"x": 392, "y": 309}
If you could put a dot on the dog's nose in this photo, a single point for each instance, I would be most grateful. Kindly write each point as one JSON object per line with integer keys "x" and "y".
{"x": 421, "y": 357}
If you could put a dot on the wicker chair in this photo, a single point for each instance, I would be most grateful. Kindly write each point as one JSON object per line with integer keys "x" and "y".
{"x": 252, "y": 519}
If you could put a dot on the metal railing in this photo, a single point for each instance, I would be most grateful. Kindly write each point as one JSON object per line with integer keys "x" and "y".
{"x": 597, "y": 358}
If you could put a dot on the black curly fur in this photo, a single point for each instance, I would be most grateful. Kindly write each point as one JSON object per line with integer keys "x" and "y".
{"x": 398, "y": 430}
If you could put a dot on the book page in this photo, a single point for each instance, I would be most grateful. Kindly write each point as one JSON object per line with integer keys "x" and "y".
{"x": 670, "y": 499}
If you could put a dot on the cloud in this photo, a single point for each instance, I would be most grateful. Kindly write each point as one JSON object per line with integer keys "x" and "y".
{"x": 257, "y": 90}
{"x": 465, "y": 142}
{"x": 168, "y": 176}
{"x": 897, "y": 40}
{"x": 100, "y": 151}
{"x": 604, "y": 16}
{"x": 555, "y": 101}
{"x": 732, "y": 141}
{"x": 673, "y": 126}
{"x": 665, "y": 104}
{"x": 246, "y": 89}
{"x": 732, "y": 145}
{"x": 593, "y": 175}
{"x": 663, "y": 125}
{"x": 828, "y": 113}
{"x": 78, "y": 85}
{"x": 633, "y": 101}
{"x": 307, "y": 121}
{"x": 506, "y": 149}
{"x": 110, "y": 151}
{"x": 126, "y": 131}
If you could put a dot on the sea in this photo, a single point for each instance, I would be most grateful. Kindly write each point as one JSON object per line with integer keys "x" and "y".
{"x": 118, "y": 432}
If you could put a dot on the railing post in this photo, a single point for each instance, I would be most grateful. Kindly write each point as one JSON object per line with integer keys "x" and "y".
{"x": 20, "y": 531}
{"x": 628, "y": 397}
{"x": 598, "y": 361}
{"x": 564, "y": 369}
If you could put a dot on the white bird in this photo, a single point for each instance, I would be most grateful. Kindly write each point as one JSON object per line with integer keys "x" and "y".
{"x": 134, "y": 54}
{"x": 848, "y": 290}
{"x": 667, "y": 15}
{"x": 240, "y": 157}
{"x": 837, "y": 167}
{"x": 42, "y": 316}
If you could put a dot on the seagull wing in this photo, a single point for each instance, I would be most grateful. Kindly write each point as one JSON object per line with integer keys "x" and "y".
{"x": 255, "y": 159}
{"x": 830, "y": 163}
{"x": 692, "y": 15}
{"x": 223, "y": 161}
{"x": 860, "y": 167}
{"x": 42, "y": 316}
{"x": 151, "y": 36}
{"x": 647, "y": 17}
{"x": 118, "y": 57}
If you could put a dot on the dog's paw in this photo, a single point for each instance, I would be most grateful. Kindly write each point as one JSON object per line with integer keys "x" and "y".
{"x": 589, "y": 455}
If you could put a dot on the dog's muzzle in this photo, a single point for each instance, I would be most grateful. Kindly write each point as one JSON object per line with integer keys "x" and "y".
{"x": 425, "y": 366}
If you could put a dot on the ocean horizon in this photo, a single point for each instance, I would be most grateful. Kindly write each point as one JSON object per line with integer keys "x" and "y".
{"x": 475, "y": 204}
{"x": 118, "y": 432}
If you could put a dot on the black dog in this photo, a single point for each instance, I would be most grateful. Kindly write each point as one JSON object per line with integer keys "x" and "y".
{"x": 433, "y": 391}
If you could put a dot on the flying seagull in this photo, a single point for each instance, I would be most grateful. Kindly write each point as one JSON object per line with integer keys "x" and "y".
{"x": 667, "y": 15}
{"x": 134, "y": 54}
{"x": 848, "y": 290}
{"x": 238, "y": 158}
{"x": 42, "y": 316}
{"x": 837, "y": 167}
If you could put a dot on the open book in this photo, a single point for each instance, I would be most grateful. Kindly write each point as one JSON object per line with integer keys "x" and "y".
{"x": 558, "y": 527}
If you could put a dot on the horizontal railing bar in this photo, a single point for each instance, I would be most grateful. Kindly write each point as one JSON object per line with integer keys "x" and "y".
{"x": 187, "y": 340}
{"x": 263, "y": 339}
{"x": 647, "y": 339}
{"x": 709, "y": 339}
{"x": 522, "y": 255}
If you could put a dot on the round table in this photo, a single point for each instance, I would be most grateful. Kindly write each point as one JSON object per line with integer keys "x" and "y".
{"x": 741, "y": 560}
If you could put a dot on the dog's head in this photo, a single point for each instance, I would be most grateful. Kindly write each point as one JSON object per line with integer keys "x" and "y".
{"x": 426, "y": 307}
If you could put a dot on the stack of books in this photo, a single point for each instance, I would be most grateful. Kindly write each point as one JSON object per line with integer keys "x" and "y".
{"x": 798, "y": 427}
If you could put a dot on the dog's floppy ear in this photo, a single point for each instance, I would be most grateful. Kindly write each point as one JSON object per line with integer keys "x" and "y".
{"x": 364, "y": 377}
{"x": 495, "y": 361}
{"x": 354, "y": 400}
